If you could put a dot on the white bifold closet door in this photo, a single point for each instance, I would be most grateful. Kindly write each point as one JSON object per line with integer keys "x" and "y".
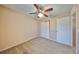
{"x": 44, "y": 29}
{"x": 64, "y": 30}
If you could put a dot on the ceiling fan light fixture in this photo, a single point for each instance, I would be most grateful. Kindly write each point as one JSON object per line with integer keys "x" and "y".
{"x": 40, "y": 15}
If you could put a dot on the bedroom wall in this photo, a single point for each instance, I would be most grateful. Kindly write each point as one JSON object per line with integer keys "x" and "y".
{"x": 77, "y": 29}
{"x": 73, "y": 16}
{"x": 76, "y": 9}
{"x": 15, "y": 28}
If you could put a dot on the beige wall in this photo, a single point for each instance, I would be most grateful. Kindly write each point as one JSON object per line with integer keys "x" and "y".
{"x": 15, "y": 28}
{"x": 76, "y": 9}
{"x": 77, "y": 28}
{"x": 73, "y": 17}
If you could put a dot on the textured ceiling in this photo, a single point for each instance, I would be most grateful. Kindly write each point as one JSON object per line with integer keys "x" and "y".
{"x": 28, "y": 8}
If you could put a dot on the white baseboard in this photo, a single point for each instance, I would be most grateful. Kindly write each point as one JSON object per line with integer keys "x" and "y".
{"x": 56, "y": 41}
{"x": 17, "y": 44}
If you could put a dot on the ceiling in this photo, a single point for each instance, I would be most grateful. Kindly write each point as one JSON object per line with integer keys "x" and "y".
{"x": 28, "y": 8}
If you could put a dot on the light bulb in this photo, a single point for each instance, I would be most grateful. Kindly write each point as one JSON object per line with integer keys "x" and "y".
{"x": 40, "y": 15}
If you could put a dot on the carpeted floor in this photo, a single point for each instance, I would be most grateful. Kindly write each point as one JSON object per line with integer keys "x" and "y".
{"x": 40, "y": 46}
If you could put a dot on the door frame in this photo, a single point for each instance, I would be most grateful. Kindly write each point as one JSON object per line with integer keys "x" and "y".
{"x": 48, "y": 28}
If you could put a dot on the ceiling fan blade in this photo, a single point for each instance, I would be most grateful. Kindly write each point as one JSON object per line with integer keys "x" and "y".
{"x": 45, "y": 15}
{"x": 47, "y": 10}
{"x": 37, "y": 7}
{"x": 33, "y": 13}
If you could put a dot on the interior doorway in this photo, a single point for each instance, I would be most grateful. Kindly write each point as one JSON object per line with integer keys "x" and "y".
{"x": 74, "y": 30}
{"x": 45, "y": 29}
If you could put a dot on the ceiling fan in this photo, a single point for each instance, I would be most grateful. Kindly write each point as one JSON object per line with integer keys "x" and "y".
{"x": 40, "y": 12}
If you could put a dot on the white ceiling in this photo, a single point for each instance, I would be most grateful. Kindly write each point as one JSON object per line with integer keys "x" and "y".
{"x": 28, "y": 8}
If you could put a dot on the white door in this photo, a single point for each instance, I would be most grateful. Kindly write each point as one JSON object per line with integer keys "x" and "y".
{"x": 45, "y": 29}
{"x": 64, "y": 34}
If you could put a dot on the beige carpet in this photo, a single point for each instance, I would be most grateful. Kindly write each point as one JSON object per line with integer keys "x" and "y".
{"x": 40, "y": 46}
